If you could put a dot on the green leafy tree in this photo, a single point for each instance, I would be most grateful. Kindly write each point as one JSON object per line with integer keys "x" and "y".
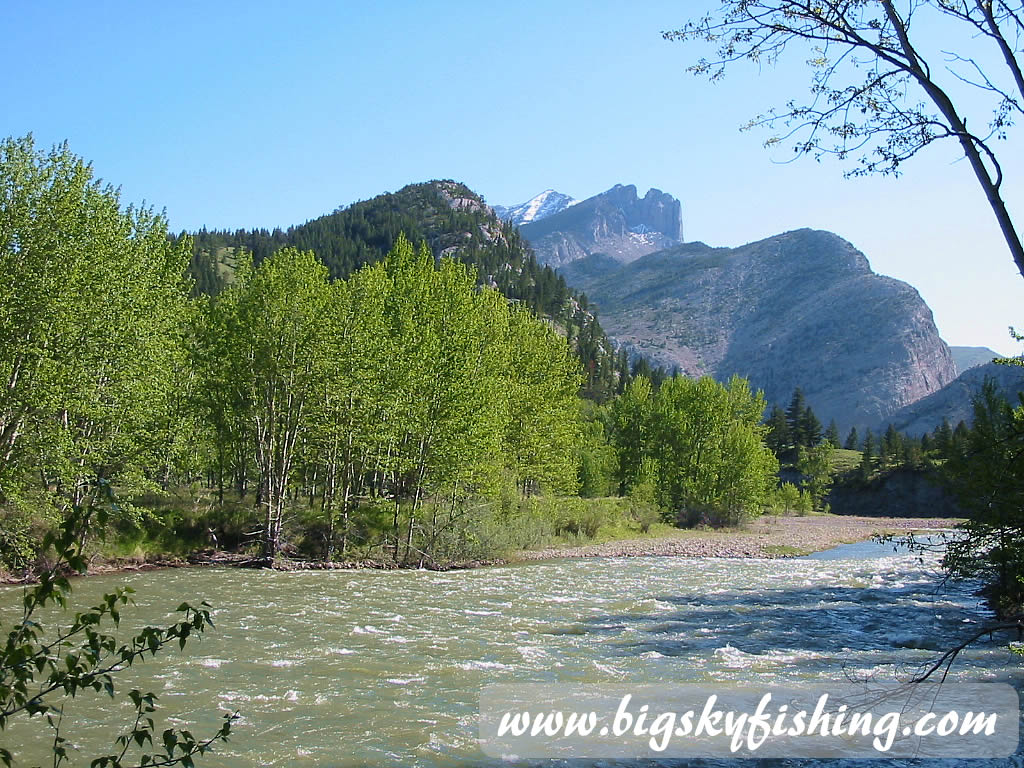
{"x": 596, "y": 454}
{"x": 451, "y": 338}
{"x": 788, "y": 498}
{"x": 92, "y": 321}
{"x": 815, "y": 466}
{"x": 269, "y": 331}
{"x": 543, "y": 427}
{"x": 643, "y": 496}
{"x": 350, "y": 424}
{"x": 707, "y": 442}
{"x": 631, "y": 416}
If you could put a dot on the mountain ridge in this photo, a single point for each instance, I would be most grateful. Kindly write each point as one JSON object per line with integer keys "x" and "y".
{"x": 971, "y": 357}
{"x": 953, "y": 402}
{"x": 616, "y": 222}
{"x": 547, "y": 203}
{"x": 798, "y": 309}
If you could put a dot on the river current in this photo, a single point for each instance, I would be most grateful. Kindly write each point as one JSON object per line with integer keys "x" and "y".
{"x": 368, "y": 668}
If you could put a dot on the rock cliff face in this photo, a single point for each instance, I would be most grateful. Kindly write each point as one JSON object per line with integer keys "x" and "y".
{"x": 801, "y": 309}
{"x": 616, "y": 223}
{"x": 953, "y": 402}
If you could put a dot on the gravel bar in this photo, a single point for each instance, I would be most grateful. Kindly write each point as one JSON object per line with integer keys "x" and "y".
{"x": 767, "y": 537}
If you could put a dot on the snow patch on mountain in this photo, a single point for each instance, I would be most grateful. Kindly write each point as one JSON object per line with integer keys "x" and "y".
{"x": 547, "y": 203}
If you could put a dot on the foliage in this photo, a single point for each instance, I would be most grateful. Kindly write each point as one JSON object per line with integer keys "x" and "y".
{"x": 815, "y": 467}
{"x": 364, "y": 233}
{"x": 788, "y": 498}
{"x": 987, "y": 478}
{"x": 643, "y": 496}
{"x": 795, "y": 427}
{"x": 543, "y": 425}
{"x": 41, "y": 669}
{"x": 881, "y": 89}
{"x": 266, "y": 337}
{"x": 705, "y": 441}
{"x": 832, "y": 435}
{"x": 597, "y": 460}
{"x": 405, "y": 382}
{"x": 92, "y": 319}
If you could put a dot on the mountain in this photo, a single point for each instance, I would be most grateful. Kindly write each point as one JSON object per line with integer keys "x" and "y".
{"x": 616, "y": 223}
{"x": 801, "y": 309}
{"x": 969, "y": 357}
{"x": 453, "y": 221}
{"x": 953, "y": 401}
{"x": 547, "y": 203}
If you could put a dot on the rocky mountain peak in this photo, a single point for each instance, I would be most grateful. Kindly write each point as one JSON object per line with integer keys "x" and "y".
{"x": 547, "y": 203}
{"x": 617, "y": 223}
{"x": 460, "y": 197}
{"x": 655, "y": 211}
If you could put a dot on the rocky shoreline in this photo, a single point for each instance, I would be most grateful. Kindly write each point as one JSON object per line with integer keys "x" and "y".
{"x": 767, "y": 537}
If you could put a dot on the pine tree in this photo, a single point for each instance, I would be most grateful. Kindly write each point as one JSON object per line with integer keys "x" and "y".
{"x": 810, "y": 428}
{"x": 943, "y": 438}
{"x": 867, "y": 458}
{"x": 892, "y": 447}
{"x": 795, "y": 417}
{"x": 852, "y": 440}
{"x": 778, "y": 437}
{"x": 960, "y": 439}
{"x": 832, "y": 435}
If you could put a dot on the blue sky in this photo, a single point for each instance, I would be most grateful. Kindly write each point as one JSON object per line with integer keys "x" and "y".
{"x": 265, "y": 114}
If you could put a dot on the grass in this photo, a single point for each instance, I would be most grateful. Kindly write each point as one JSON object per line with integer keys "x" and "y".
{"x": 844, "y": 461}
{"x": 785, "y": 550}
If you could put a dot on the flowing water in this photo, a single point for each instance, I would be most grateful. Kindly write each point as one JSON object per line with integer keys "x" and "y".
{"x": 370, "y": 668}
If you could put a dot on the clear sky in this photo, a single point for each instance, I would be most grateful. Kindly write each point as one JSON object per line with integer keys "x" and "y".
{"x": 269, "y": 114}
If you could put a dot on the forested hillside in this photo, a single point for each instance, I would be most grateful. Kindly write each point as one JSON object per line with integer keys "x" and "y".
{"x": 452, "y": 221}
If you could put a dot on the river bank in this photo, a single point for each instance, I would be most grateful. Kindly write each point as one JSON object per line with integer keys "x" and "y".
{"x": 766, "y": 537}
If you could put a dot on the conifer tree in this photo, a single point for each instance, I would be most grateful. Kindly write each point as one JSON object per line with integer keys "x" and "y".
{"x": 810, "y": 428}
{"x": 795, "y": 417}
{"x": 832, "y": 435}
{"x": 778, "y": 436}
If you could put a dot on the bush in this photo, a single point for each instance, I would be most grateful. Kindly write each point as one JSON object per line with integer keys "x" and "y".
{"x": 644, "y": 514}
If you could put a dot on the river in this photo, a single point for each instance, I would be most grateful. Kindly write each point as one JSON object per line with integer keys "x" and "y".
{"x": 368, "y": 668}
